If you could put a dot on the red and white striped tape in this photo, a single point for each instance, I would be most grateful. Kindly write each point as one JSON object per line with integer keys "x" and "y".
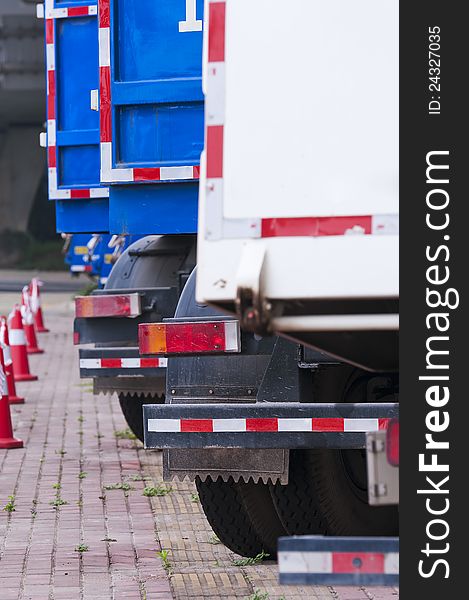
{"x": 81, "y": 268}
{"x": 60, "y": 13}
{"x": 264, "y": 425}
{"x": 108, "y": 172}
{"x": 56, "y": 192}
{"x": 216, "y": 225}
{"x": 385, "y": 563}
{"x": 123, "y": 363}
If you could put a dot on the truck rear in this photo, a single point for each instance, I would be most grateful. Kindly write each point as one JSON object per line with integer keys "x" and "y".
{"x": 297, "y": 237}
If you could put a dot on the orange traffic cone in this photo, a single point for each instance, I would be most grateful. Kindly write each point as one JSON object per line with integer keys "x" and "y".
{"x": 5, "y": 346}
{"x": 35, "y": 298}
{"x": 6, "y": 429}
{"x": 28, "y": 324}
{"x": 18, "y": 346}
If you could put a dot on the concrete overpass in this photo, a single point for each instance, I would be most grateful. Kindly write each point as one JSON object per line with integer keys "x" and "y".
{"x": 22, "y": 112}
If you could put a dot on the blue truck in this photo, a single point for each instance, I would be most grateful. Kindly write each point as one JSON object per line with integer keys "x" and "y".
{"x": 125, "y": 146}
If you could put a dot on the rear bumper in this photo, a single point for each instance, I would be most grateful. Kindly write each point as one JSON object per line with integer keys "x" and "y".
{"x": 119, "y": 362}
{"x": 264, "y": 425}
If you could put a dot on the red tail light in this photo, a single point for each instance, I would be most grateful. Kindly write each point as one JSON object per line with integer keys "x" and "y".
{"x": 119, "y": 305}
{"x": 189, "y": 338}
{"x": 392, "y": 443}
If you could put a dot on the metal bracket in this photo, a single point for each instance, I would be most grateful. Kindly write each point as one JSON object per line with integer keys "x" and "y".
{"x": 383, "y": 478}
{"x": 253, "y": 310}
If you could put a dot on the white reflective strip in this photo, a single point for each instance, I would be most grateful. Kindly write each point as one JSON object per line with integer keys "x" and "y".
{"x": 134, "y": 305}
{"x": 295, "y": 424}
{"x": 40, "y": 11}
{"x": 99, "y": 192}
{"x": 52, "y": 179}
{"x": 77, "y": 268}
{"x": 51, "y": 132}
{"x": 3, "y": 383}
{"x": 108, "y": 174}
{"x": 6, "y": 354}
{"x": 106, "y": 160}
{"x": 130, "y": 363}
{"x": 164, "y": 425}
{"x": 361, "y": 425}
{"x": 232, "y": 336}
{"x": 214, "y": 109}
{"x": 61, "y": 195}
{"x": 57, "y": 13}
{"x": 385, "y": 224}
{"x": 162, "y": 362}
{"x": 92, "y": 10}
{"x": 220, "y": 425}
{"x": 305, "y": 562}
{"x": 103, "y": 280}
{"x": 50, "y": 57}
{"x": 104, "y": 47}
{"x": 90, "y": 363}
{"x": 169, "y": 173}
{"x": 391, "y": 563}
{"x": 17, "y": 337}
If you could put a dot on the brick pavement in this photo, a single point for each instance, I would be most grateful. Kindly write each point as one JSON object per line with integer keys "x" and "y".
{"x": 61, "y": 505}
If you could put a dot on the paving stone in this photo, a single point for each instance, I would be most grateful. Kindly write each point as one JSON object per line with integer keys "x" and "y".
{"x": 68, "y": 431}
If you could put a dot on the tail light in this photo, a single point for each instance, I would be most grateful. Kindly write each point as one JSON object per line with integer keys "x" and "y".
{"x": 118, "y": 305}
{"x": 392, "y": 442}
{"x": 189, "y": 337}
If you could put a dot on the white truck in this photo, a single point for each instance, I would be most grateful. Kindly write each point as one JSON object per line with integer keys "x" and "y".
{"x": 297, "y": 237}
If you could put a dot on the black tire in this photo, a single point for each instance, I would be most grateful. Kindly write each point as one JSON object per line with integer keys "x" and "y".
{"x": 263, "y": 514}
{"x": 227, "y": 516}
{"x": 326, "y": 493}
{"x": 323, "y": 498}
{"x": 132, "y": 406}
{"x": 297, "y": 503}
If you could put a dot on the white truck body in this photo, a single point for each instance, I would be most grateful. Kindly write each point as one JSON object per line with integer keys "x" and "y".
{"x": 299, "y": 181}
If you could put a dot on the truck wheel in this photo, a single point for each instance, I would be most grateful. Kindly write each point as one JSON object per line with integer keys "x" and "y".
{"x": 297, "y": 503}
{"x": 326, "y": 494}
{"x": 132, "y": 406}
{"x": 227, "y": 516}
{"x": 263, "y": 514}
{"x": 327, "y": 489}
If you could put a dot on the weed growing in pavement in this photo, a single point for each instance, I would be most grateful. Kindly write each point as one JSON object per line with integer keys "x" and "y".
{"x": 81, "y": 548}
{"x": 195, "y": 497}
{"x": 259, "y": 596}
{"x": 81, "y": 419}
{"x": 164, "y": 555}
{"x": 125, "y": 434}
{"x": 214, "y": 539}
{"x": 58, "y": 502}
{"x": 138, "y": 478}
{"x": 10, "y": 505}
{"x": 82, "y": 474}
{"x": 56, "y": 486}
{"x": 159, "y": 490}
{"x": 119, "y": 486}
{"x": 247, "y": 562}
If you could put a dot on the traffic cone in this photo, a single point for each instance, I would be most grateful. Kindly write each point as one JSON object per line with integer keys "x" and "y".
{"x": 28, "y": 324}
{"x": 5, "y": 346}
{"x": 18, "y": 346}
{"x": 35, "y": 300}
{"x": 6, "y": 429}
